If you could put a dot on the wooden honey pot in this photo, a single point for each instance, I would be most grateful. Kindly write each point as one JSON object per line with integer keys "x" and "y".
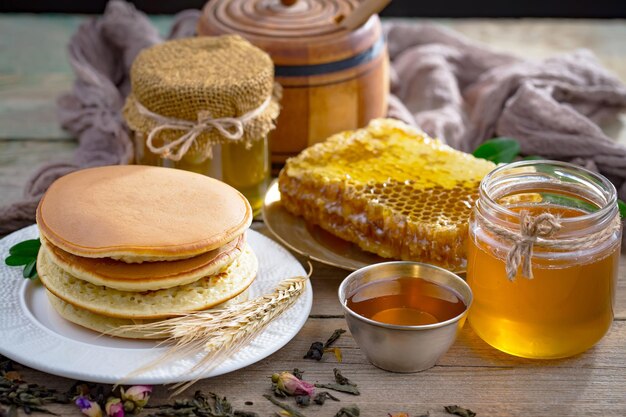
{"x": 333, "y": 78}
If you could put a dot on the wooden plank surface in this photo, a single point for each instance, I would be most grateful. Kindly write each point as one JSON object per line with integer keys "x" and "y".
{"x": 471, "y": 374}
{"x": 34, "y": 71}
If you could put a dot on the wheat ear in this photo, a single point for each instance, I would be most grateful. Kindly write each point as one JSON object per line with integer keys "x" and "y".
{"x": 219, "y": 333}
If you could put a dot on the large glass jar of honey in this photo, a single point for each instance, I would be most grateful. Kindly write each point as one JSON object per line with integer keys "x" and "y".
{"x": 543, "y": 254}
{"x": 205, "y": 105}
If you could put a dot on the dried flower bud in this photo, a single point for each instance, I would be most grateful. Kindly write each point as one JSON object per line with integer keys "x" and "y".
{"x": 291, "y": 385}
{"x": 114, "y": 407}
{"x": 130, "y": 407}
{"x": 88, "y": 408}
{"x": 137, "y": 395}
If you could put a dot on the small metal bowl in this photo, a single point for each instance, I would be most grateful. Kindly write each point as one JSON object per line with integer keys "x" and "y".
{"x": 403, "y": 348}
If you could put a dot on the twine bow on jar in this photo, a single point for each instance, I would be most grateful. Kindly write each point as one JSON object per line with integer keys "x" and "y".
{"x": 189, "y": 95}
{"x": 531, "y": 228}
{"x": 231, "y": 128}
{"x": 537, "y": 230}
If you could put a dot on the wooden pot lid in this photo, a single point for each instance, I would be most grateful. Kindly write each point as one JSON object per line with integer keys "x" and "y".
{"x": 293, "y": 32}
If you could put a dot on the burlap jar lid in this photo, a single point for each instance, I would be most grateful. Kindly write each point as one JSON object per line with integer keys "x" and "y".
{"x": 190, "y": 94}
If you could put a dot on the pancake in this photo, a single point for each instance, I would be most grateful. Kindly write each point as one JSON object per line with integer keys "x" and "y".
{"x": 103, "y": 324}
{"x": 145, "y": 276}
{"x": 141, "y": 213}
{"x": 199, "y": 295}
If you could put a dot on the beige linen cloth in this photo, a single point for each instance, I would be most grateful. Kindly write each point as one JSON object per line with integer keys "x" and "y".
{"x": 453, "y": 88}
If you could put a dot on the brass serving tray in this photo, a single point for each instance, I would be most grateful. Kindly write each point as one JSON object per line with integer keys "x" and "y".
{"x": 312, "y": 241}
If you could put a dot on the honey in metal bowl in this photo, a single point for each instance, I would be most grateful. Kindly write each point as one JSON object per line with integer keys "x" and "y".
{"x": 406, "y": 301}
{"x": 404, "y": 315}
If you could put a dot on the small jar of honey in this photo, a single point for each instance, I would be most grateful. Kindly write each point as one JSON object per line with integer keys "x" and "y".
{"x": 543, "y": 253}
{"x": 205, "y": 105}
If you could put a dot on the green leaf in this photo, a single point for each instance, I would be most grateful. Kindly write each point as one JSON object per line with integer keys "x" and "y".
{"x": 30, "y": 270}
{"x": 26, "y": 248}
{"x": 17, "y": 260}
{"x": 567, "y": 201}
{"x": 622, "y": 209}
{"x": 533, "y": 158}
{"x": 498, "y": 150}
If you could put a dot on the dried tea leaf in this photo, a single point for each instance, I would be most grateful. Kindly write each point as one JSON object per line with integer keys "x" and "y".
{"x": 278, "y": 392}
{"x": 298, "y": 373}
{"x": 351, "y": 411}
{"x": 211, "y": 405}
{"x": 321, "y": 397}
{"x": 221, "y": 405}
{"x": 459, "y": 411}
{"x": 348, "y": 389}
{"x": 333, "y": 338}
{"x": 30, "y": 397}
{"x": 316, "y": 351}
{"x": 303, "y": 400}
{"x": 342, "y": 379}
{"x": 239, "y": 413}
{"x": 286, "y": 407}
{"x": 8, "y": 412}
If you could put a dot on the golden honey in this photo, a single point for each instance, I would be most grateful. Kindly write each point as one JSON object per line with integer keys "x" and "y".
{"x": 568, "y": 304}
{"x": 388, "y": 188}
{"x": 246, "y": 169}
{"x": 406, "y": 301}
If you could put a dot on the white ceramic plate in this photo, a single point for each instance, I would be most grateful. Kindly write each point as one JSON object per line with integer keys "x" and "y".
{"x": 33, "y": 334}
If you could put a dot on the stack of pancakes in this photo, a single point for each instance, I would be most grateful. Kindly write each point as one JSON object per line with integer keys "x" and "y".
{"x": 129, "y": 244}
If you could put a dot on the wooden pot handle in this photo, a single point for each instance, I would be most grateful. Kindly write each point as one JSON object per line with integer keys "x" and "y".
{"x": 361, "y": 14}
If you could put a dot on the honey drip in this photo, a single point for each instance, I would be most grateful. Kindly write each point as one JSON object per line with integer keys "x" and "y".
{"x": 406, "y": 301}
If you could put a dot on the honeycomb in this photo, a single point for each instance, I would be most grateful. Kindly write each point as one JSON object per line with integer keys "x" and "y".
{"x": 388, "y": 188}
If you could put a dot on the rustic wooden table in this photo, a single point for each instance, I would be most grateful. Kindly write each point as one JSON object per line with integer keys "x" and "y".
{"x": 33, "y": 71}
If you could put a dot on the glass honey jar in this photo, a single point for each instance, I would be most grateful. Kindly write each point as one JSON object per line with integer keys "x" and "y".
{"x": 246, "y": 169}
{"x": 205, "y": 105}
{"x": 543, "y": 255}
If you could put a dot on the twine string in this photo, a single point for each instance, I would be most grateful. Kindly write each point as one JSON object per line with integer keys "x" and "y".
{"x": 537, "y": 230}
{"x": 531, "y": 228}
{"x": 231, "y": 128}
